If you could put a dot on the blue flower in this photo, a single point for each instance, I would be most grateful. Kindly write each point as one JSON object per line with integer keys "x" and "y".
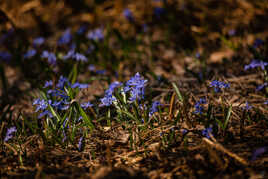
{"x": 70, "y": 54}
{"x": 79, "y": 85}
{"x": 65, "y": 38}
{"x": 82, "y": 29}
{"x": 206, "y": 132}
{"x": 154, "y": 107}
{"x": 218, "y": 85}
{"x": 202, "y": 101}
{"x": 266, "y": 102}
{"x": 112, "y": 86}
{"x": 86, "y": 105}
{"x": 79, "y": 119}
{"x": 45, "y": 113}
{"x": 41, "y": 104}
{"x": 77, "y": 56}
{"x": 38, "y": 41}
{"x": 197, "y": 55}
{"x": 9, "y": 133}
{"x": 231, "y": 32}
{"x": 61, "y": 105}
{"x": 48, "y": 84}
{"x": 5, "y": 56}
{"x": 198, "y": 108}
{"x": 29, "y": 53}
{"x": 64, "y": 123}
{"x": 81, "y": 144}
{"x": 256, "y": 63}
{"x": 107, "y": 100}
{"x": 58, "y": 93}
{"x": 137, "y": 80}
{"x": 50, "y": 57}
{"x": 143, "y": 107}
{"x": 247, "y": 106}
{"x": 80, "y": 57}
{"x": 96, "y": 35}
{"x": 91, "y": 67}
{"x": 258, "y": 152}
{"x": 260, "y": 87}
{"x": 184, "y": 131}
{"x": 63, "y": 81}
{"x": 100, "y": 72}
{"x": 128, "y": 14}
{"x": 64, "y": 136}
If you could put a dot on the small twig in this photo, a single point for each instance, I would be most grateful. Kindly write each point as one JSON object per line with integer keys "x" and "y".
{"x": 214, "y": 155}
{"x": 218, "y": 146}
{"x": 10, "y": 147}
{"x": 8, "y": 18}
{"x": 171, "y": 106}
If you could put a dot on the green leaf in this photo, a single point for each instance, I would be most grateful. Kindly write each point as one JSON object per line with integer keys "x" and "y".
{"x": 73, "y": 74}
{"x": 129, "y": 115}
{"x": 84, "y": 116}
{"x": 177, "y": 92}
{"x": 227, "y": 117}
{"x": 220, "y": 123}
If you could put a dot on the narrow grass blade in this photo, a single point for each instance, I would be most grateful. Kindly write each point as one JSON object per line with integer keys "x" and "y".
{"x": 177, "y": 92}
{"x": 84, "y": 116}
{"x": 227, "y": 117}
{"x": 129, "y": 115}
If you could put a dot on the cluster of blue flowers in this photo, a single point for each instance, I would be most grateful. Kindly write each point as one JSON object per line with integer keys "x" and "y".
{"x": 136, "y": 86}
{"x": 218, "y": 85}
{"x": 198, "y": 108}
{"x": 58, "y": 97}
